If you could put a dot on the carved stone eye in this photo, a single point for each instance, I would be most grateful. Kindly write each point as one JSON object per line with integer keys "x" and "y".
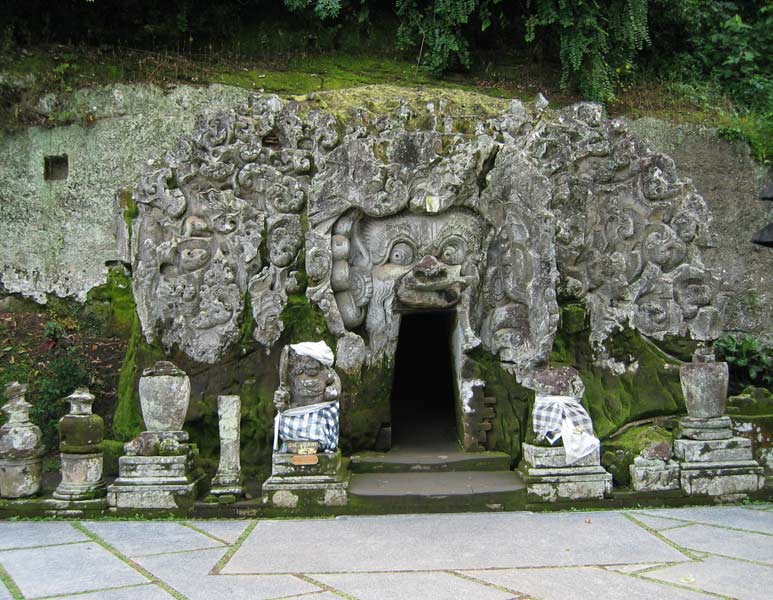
{"x": 401, "y": 254}
{"x": 452, "y": 253}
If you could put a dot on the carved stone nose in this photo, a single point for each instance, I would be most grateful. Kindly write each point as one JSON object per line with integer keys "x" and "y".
{"x": 430, "y": 267}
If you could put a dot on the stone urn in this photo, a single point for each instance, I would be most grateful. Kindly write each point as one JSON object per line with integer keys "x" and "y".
{"x": 165, "y": 392}
{"x": 21, "y": 447}
{"x": 704, "y": 384}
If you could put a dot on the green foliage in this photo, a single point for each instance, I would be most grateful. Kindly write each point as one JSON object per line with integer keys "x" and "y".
{"x": 598, "y": 40}
{"x": 750, "y": 362}
{"x": 438, "y": 27}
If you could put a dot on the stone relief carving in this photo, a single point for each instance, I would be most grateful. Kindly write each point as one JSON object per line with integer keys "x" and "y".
{"x": 385, "y": 218}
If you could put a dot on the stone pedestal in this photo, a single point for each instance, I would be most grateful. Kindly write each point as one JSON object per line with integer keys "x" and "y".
{"x": 306, "y": 479}
{"x": 21, "y": 447}
{"x": 549, "y": 479}
{"x": 154, "y": 482}
{"x": 80, "y": 433}
{"x": 714, "y": 463}
{"x": 228, "y": 479}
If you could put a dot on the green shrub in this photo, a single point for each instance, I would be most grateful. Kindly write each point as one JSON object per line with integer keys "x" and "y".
{"x": 750, "y": 362}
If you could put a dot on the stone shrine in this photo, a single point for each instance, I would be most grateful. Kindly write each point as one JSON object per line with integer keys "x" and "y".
{"x": 21, "y": 446}
{"x": 713, "y": 462}
{"x": 156, "y": 472}
{"x": 306, "y": 466}
{"x": 80, "y": 433}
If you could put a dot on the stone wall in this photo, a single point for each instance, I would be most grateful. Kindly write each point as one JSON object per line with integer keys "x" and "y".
{"x": 57, "y": 234}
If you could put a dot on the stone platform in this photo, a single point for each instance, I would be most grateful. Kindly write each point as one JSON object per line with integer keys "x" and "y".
{"x": 299, "y": 481}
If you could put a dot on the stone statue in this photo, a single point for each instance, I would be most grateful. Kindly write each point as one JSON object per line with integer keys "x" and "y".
{"x": 307, "y": 383}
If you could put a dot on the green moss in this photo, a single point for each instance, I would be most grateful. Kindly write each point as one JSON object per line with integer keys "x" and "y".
{"x": 111, "y": 450}
{"x": 365, "y": 405}
{"x": 620, "y": 452}
{"x": 127, "y": 420}
{"x": 112, "y": 304}
{"x": 652, "y": 388}
{"x": 753, "y": 401}
{"x": 304, "y": 322}
{"x": 513, "y": 402}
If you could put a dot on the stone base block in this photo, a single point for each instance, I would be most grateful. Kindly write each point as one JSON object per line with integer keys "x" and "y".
{"x": 157, "y": 496}
{"x": 722, "y": 480}
{"x": 719, "y": 428}
{"x": 19, "y": 477}
{"x": 712, "y": 451}
{"x": 279, "y": 492}
{"x": 81, "y": 477}
{"x": 322, "y": 466}
{"x": 655, "y": 477}
{"x": 152, "y": 482}
{"x": 544, "y": 457}
{"x": 575, "y": 484}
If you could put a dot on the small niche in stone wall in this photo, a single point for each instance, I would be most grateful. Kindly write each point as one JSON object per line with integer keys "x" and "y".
{"x": 55, "y": 167}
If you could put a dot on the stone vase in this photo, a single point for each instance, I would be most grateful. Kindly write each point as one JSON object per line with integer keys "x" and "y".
{"x": 165, "y": 392}
{"x": 21, "y": 447}
{"x": 705, "y": 388}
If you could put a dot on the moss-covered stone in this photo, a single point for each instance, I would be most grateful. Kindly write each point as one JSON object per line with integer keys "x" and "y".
{"x": 111, "y": 450}
{"x": 365, "y": 405}
{"x": 112, "y": 304}
{"x": 618, "y": 453}
{"x": 752, "y": 401}
{"x": 649, "y": 387}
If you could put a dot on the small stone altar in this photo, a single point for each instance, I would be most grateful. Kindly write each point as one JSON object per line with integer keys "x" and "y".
{"x": 156, "y": 472}
{"x": 306, "y": 466}
{"x": 713, "y": 462}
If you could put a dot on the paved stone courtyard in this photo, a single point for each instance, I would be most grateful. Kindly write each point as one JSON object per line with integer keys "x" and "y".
{"x": 687, "y": 553}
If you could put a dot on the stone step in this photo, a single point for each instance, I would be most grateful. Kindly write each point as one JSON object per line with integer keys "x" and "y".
{"x": 437, "y": 492}
{"x": 430, "y": 460}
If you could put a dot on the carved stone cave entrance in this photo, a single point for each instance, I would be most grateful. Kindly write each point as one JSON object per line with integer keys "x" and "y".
{"x": 423, "y": 401}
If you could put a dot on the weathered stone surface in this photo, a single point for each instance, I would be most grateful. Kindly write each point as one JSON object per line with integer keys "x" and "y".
{"x": 542, "y": 457}
{"x": 729, "y": 180}
{"x": 21, "y": 446}
{"x": 164, "y": 395}
{"x": 653, "y": 475}
{"x": 549, "y": 479}
{"x": 733, "y": 480}
{"x": 705, "y": 388}
{"x": 480, "y": 224}
{"x": 726, "y": 450}
{"x": 81, "y": 477}
{"x": 228, "y": 479}
{"x": 56, "y": 235}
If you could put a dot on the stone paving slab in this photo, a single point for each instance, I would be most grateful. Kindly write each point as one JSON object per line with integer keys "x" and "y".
{"x": 140, "y": 592}
{"x": 443, "y": 542}
{"x": 737, "y": 579}
{"x": 188, "y": 573}
{"x": 725, "y": 516}
{"x": 138, "y": 538}
{"x": 580, "y": 584}
{"x": 657, "y": 523}
{"x": 399, "y": 586}
{"x": 632, "y": 568}
{"x": 25, "y": 534}
{"x": 227, "y": 531}
{"x": 66, "y": 570}
{"x": 4, "y": 593}
{"x": 726, "y": 542}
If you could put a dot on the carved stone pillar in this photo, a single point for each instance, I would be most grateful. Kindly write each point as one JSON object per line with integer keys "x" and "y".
{"x": 228, "y": 479}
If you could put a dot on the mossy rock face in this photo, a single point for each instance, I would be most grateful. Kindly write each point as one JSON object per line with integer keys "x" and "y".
{"x": 112, "y": 304}
{"x": 752, "y": 401}
{"x": 365, "y": 405}
{"x": 513, "y": 404}
{"x": 111, "y": 450}
{"x": 648, "y": 387}
{"x": 618, "y": 453}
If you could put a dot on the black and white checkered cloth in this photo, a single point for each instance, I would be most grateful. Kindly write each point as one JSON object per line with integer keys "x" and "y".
{"x": 550, "y": 412}
{"x": 313, "y": 423}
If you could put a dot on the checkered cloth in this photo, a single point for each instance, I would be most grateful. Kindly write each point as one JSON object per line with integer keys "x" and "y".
{"x": 557, "y": 417}
{"x": 313, "y": 423}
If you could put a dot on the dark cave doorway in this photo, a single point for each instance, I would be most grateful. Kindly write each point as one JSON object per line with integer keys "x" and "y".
{"x": 423, "y": 398}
